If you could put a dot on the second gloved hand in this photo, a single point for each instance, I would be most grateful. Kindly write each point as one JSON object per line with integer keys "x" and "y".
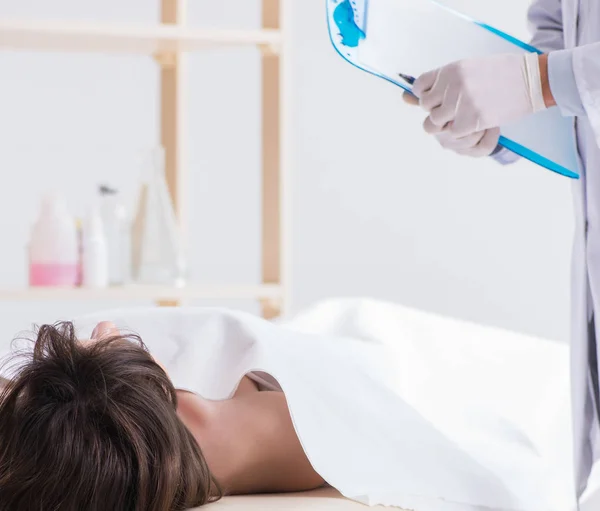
{"x": 473, "y": 95}
{"x": 477, "y": 145}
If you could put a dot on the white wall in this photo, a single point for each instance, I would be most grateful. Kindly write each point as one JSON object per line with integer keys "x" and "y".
{"x": 379, "y": 209}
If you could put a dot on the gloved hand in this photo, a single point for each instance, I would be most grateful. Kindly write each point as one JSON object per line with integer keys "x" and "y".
{"x": 480, "y": 93}
{"x": 478, "y": 144}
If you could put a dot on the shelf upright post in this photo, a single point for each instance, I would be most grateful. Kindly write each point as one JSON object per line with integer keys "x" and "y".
{"x": 274, "y": 161}
{"x": 173, "y": 76}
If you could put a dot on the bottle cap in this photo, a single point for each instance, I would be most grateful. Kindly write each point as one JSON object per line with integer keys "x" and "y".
{"x": 107, "y": 190}
{"x": 53, "y": 205}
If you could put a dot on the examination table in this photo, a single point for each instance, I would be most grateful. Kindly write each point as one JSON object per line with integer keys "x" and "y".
{"x": 324, "y": 499}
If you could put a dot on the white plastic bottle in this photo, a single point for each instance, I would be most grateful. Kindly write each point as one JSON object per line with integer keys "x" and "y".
{"x": 95, "y": 252}
{"x": 117, "y": 228}
{"x": 53, "y": 248}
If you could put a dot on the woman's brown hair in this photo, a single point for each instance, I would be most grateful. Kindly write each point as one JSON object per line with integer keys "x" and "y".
{"x": 93, "y": 426}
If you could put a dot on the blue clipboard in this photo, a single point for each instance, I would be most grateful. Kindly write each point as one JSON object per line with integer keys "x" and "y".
{"x": 387, "y": 37}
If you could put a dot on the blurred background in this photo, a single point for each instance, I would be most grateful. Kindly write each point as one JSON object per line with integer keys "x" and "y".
{"x": 378, "y": 209}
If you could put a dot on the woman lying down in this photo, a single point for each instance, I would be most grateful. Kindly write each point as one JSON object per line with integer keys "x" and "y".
{"x": 98, "y": 425}
{"x": 388, "y": 405}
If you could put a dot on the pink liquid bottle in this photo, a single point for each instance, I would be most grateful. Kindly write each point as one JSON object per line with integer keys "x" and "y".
{"x": 53, "y": 248}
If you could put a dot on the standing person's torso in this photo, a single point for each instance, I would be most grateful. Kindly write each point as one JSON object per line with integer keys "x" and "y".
{"x": 588, "y": 32}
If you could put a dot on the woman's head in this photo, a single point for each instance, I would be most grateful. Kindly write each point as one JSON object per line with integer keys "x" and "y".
{"x": 94, "y": 426}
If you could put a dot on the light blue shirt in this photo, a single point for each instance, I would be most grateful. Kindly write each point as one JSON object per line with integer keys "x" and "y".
{"x": 563, "y": 84}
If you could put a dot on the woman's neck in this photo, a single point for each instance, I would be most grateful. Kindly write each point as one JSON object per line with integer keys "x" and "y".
{"x": 249, "y": 442}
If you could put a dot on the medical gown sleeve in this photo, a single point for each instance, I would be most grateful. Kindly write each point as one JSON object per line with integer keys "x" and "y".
{"x": 586, "y": 67}
{"x": 545, "y": 21}
{"x": 563, "y": 84}
{"x": 545, "y": 17}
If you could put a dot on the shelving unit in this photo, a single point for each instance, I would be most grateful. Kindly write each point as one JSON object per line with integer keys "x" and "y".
{"x": 158, "y": 294}
{"x": 71, "y": 36}
{"x": 168, "y": 42}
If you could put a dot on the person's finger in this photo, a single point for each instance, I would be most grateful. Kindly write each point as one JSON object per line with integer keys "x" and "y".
{"x": 411, "y": 99}
{"x": 447, "y": 141}
{"x": 430, "y": 128}
{"x": 432, "y": 99}
{"x": 490, "y": 141}
{"x": 104, "y": 329}
{"x": 466, "y": 122}
{"x": 425, "y": 83}
{"x": 429, "y": 91}
{"x": 446, "y": 112}
{"x": 486, "y": 145}
{"x": 434, "y": 129}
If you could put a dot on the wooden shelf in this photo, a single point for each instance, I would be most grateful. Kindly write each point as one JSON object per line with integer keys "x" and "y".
{"x": 139, "y": 292}
{"x": 165, "y": 41}
{"x": 68, "y": 36}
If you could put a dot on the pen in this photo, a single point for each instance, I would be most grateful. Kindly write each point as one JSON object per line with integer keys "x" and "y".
{"x": 410, "y": 80}
{"x": 407, "y": 78}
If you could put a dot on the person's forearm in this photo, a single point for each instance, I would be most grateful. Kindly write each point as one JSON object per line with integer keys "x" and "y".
{"x": 546, "y": 90}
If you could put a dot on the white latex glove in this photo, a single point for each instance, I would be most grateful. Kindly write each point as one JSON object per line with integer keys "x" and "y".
{"x": 479, "y": 144}
{"x": 481, "y": 93}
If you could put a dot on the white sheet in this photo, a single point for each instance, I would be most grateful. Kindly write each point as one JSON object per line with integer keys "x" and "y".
{"x": 392, "y": 406}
